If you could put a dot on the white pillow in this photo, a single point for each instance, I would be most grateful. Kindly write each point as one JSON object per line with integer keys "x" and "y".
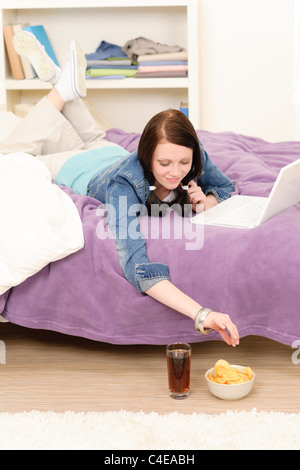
{"x": 39, "y": 223}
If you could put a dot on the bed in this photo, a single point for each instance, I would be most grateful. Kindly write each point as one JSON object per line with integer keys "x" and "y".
{"x": 253, "y": 275}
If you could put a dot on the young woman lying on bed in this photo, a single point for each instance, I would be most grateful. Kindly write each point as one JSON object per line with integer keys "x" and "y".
{"x": 169, "y": 165}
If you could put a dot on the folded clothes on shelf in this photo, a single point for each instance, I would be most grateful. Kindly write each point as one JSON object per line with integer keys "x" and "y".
{"x": 95, "y": 72}
{"x": 157, "y": 60}
{"x": 168, "y": 74}
{"x": 143, "y": 46}
{"x": 168, "y": 56}
{"x": 109, "y": 62}
{"x": 162, "y": 68}
{"x": 139, "y": 58}
{"x": 107, "y": 50}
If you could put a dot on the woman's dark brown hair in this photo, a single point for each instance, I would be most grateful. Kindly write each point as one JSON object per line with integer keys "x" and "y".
{"x": 174, "y": 127}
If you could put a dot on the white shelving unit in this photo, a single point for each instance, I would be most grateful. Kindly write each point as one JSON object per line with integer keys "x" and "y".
{"x": 90, "y": 21}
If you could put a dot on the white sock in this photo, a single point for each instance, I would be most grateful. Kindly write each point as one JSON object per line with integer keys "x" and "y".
{"x": 64, "y": 84}
{"x": 57, "y": 73}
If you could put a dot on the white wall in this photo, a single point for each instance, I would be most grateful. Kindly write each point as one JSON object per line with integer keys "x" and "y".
{"x": 247, "y": 67}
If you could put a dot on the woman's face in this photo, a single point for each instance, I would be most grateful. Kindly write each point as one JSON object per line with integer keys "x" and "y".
{"x": 170, "y": 164}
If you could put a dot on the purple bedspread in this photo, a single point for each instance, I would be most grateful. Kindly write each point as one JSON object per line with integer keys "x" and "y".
{"x": 251, "y": 274}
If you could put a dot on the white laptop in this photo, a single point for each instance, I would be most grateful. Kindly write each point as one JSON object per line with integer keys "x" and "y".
{"x": 251, "y": 211}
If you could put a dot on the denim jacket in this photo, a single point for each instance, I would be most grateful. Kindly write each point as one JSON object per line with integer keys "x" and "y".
{"x": 124, "y": 189}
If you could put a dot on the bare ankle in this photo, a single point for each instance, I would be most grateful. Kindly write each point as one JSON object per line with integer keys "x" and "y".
{"x": 55, "y": 99}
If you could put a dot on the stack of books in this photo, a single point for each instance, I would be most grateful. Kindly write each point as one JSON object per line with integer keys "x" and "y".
{"x": 20, "y": 66}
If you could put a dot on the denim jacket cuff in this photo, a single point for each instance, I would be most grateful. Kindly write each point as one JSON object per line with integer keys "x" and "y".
{"x": 220, "y": 194}
{"x": 148, "y": 274}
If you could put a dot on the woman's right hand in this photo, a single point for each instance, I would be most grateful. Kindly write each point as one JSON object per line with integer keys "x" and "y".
{"x": 221, "y": 322}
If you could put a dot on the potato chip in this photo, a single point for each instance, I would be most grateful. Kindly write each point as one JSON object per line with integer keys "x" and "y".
{"x": 222, "y": 364}
{"x": 248, "y": 371}
{"x": 228, "y": 375}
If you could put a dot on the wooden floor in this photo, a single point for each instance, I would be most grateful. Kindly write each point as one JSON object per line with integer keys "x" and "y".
{"x": 50, "y": 371}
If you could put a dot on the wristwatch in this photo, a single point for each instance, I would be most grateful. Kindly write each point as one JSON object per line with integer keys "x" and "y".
{"x": 199, "y": 320}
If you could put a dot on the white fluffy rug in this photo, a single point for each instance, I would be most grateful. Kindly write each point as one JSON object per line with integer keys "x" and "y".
{"x": 124, "y": 430}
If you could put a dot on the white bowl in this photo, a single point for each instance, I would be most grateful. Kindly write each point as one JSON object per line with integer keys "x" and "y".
{"x": 228, "y": 391}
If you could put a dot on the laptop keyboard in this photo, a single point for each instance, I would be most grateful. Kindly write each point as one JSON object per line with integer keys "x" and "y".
{"x": 248, "y": 214}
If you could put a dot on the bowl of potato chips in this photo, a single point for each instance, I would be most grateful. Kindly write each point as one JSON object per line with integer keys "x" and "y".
{"x": 228, "y": 381}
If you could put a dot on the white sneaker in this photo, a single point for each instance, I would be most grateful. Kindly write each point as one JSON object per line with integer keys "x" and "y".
{"x": 71, "y": 84}
{"x": 27, "y": 45}
{"x": 78, "y": 69}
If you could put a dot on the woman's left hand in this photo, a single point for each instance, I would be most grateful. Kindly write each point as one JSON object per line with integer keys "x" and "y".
{"x": 197, "y": 197}
{"x": 199, "y": 201}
